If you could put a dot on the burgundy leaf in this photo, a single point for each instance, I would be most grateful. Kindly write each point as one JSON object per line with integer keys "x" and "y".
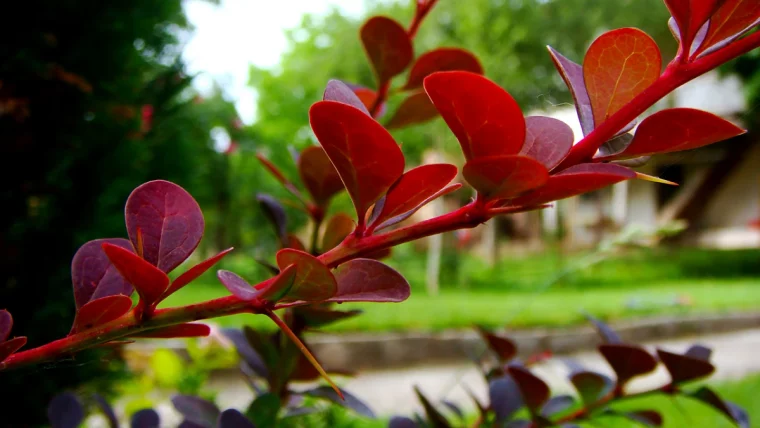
{"x": 193, "y": 273}
{"x": 732, "y": 29}
{"x": 690, "y": 15}
{"x": 572, "y": 74}
{"x": 366, "y": 280}
{"x": 505, "y": 397}
{"x": 338, "y": 227}
{"x": 313, "y": 282}
{"x": 646, "y": 417}
{"x": 504, "y": 348}
{"x": 401, "y": 217}
{"x": 368, "y": 97}
{"x": 180, "y": 330}
{"x": 367, "y": 158}
{"x": 582, "y": 178}
{"x": 435, "y": 417}
{"x": 145, "y": 418}
{"x": 232, "y": 418}
{"x": 196, "y": 410}
{"x": 274, "y": 211}
{"x": 170, "y": 221}
{"x": 413, "y": 189}
{"x": 547, "y": 140}
{"x": 504, "y": 177}
{"x": 65, "y": 411}
{"x": 484, "y": 117}
{"x": 295, "y": 243}
{"x": 148, "y": 280}
{"x": 556, "y": 405}
{"x": 348, "y": 401}
{"x": 534, "y": 391}
{"x": 683, "y": 368}
{"x": 593, "y": 387}
{"x": 674, "y": 130}
{"x": 736, "y": 413}
{"x": 6, "y": 324}
{"x": 92, "y": 272}
{"x": 628, "y": 361}
{"x": 281, "y": 285}
{"x": 414, "y": 110}
{"x": 236, "y": 285}
{"x": 10, "y": 346}
{"x": 606, "y": 332}
{"x": 276, "y": 173}
{"x": 100, "y": 311}
{"x": 340, "y": 92}
{"x": 107, "y": 410}
{"x": 441, "y": 59}
{"x": 315, "y": 317}
{"x": 388, "y": 47}
{"x": 615, "y": 146}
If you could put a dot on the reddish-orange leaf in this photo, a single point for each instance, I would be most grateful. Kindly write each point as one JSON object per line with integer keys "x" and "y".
{"x": 149, "y": 281}
{"x": 401, "y": 217}
{"x": 690, "y": 15}
{"x": 193, "y": 273}
{"x": 547, "y": 140}
{"x": 338, "y": 227}
{"x": 367, "y": 158}
{"x": 388, "y": 47}
{"x": 180, "y": 330}
{"x": 313, "y": 282}
{"x": 365, "y": 280}
{"x": 619, "y": 65}
{"x": 484, "y": 117}
{"x": 415, "y": 109}
{"x": 100, "y": 311}
{"x": 730, "y": 21}
{"x": 295, "y": 243}
{"x": 582, "y": 178}
{"x": 442, "y": 59}
{"x": 675, "y": 130}
{"x": 319, "y": 175}
{"x": 412, "y": 190}
{"x": 10, "y": 346}
{"x": 503, "y": 177}
{"x": 280, "y": 285}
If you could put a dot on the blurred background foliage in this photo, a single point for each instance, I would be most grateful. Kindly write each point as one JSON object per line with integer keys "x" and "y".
{"x": 95, "y": 100}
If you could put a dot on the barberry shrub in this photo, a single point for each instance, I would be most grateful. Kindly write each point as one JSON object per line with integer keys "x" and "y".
{"x": 514, "y": 163}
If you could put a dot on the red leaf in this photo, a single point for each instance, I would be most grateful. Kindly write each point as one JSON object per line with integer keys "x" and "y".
{"x": 582, "y": 178}
{"x": 272, "y": 168}
{"x": 93, "y": 275}
{"x": 619, "y": 65}
{"x": 675, "y": 130}
{"x": 534, "y": 391}
{"x": 319, "y": 175}
{"x": 6, "y": 324}
{"x": 414, "y": 110}
{"x": 401, "y": 217}
{"x": 180, "y": 330}
{"x": 442, "y": 59}
{"x": 170, "y": 220}
{"x": 388, "y": 47}
{"x": 683, "y": 368}
{"x": 100, "y": 311}
{"x": 338, "y": 227}
{"x": 236, "y": 285}
{"x": 314, "y": 281}
{"x": 484, "y": 117}
{"x": 628, "y": 361}
{"x": 731, "y": 20}
{"x": 504, "y": 348}
{"x": 503, "y": 177}
{"x": 194, "y": 272}
{"x": 149, "y": 281}
{"x": 572, "y": 74}
{"x": 367, "y": 97}
{"x": 364, "y": 153}
{"x": 690, "y": 15}
{"x": 10, "y": 346}
{"x": 342, "y": 93}
{"x": 547, "y": 140}
{"x": 280, "y": 286}
{"x": 412, "y": 190}
{"x": 295, "y": 243}
{"x": 366, "y": 280}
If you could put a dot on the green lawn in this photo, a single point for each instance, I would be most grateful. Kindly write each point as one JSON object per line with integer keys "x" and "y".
{"x": 553, "y": 307}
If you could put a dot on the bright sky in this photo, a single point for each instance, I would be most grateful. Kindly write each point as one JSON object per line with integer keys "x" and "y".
{"x": 236, "y": 33}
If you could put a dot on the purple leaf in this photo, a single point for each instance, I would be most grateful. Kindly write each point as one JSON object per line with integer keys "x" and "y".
{"x": 736, "y": 413}
{"x": 65, "y": 411}
{"x": 246, "y": 352}
{"x": 454, "y": 408}
{"x": 196, "y": 410}
{"x": 145, "y": 418}
{"x": 6, "y": 324}
{"x": 505, "y": 397}
{"x": 608, "y": 334}
{"x": 572, "y": 74}
{"x": 107, "y": 410}
{"x": 615, "y": 145}
{"x": 435, "y": 417}
{"x": 169, "y": 221}
{"x": 367, "y": 280}
{"x": 557, "y": 404}
{"x": 342, "y": 93}
{"x": 239, "y": 287}
{"x": 92, "y": 274}
{"x": 533, "y": 390}
{"x": 699, "y": 352}
{"x": 350, "y": 401}
{"x": 628, "y": 361}
{"x": 232, "y": 418}
{"x": 592, "y": 387}
{"x": 274, "y": 211}
{"x": 402, "y": 422}
{"x": 547, "y": 140}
